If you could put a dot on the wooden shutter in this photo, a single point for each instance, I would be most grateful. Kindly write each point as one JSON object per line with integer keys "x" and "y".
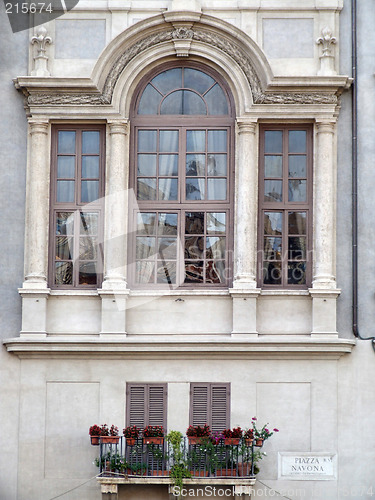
{"x": 209, "y": 404}
{"x": 147, "y": 405}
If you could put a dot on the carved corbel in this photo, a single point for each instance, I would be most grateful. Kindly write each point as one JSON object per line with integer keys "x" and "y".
{"x": 182, "y": 38}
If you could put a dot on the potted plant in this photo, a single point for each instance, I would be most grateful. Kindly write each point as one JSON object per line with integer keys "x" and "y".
{"x": 179, "y": 468}
{"x": 262, "y": 434}
{"x": 197, "y": 434}
{"x": 109, "y": 435}
{"x": 153, "y": 434}
{"x": 248, "y": 437}
{"x": 131, "y": 434}
{"x": 94, "y": 433}
{"x": 232, "y": 437}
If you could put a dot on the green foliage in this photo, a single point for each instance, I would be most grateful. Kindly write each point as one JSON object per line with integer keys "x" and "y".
{"x": 179, "y": 468}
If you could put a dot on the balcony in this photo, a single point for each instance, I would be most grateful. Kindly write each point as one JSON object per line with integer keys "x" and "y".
{"x": 202, "y": 463}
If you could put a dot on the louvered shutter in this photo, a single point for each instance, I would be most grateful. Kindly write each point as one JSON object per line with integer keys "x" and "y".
{"x": 147, "y": 405}
{"x": 209, "y": 404}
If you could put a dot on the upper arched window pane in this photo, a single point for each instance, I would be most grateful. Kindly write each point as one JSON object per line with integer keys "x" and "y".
{"x": 183, "y": 91}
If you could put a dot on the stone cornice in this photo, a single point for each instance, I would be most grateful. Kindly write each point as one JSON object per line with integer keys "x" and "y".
{"x": 195, "y": 347}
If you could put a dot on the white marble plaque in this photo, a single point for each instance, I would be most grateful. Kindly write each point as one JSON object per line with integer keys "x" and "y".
{"x": 307, "y": 466}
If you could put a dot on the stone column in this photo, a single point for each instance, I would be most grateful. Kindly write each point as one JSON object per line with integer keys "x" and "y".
{"x": 324, "y": 292}
{"x": 34, "y": 291}
{"x": 114, "y": 290}
{"x": 245, "y": 292}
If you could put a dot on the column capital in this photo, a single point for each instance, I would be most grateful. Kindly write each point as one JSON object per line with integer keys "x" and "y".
{"x": 246, "y": 125}
{"x": 325, "y": 126}
{"x": 38, "y": 126}
{"x": 118, "y": 126}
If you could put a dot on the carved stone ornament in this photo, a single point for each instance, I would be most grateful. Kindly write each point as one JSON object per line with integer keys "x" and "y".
{"x": 231, "y": 48}
{"x": 40, "y": 61}
{"x": 326, "y": 40}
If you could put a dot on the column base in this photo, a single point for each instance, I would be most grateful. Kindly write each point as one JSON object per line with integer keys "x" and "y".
{"x": 324, "y": 312}
{"x": 34, "y": 310}
{"x": 113, "y": 322}
{"x": 244, "y": 313}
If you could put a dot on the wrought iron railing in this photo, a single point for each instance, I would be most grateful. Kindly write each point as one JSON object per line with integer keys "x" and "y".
{"x": 203, "y": 459}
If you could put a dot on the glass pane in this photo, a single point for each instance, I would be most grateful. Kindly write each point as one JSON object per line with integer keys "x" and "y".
{"x": 146, "y": 189}
{"x": 63, "y": 273}
{"x": 146, "y": 141}
{"x": 145, "y": 272}
{"x": 168, "y": 165}
{"x": 194, "y": 189}
{"x": 66, "y": 167}
{"x": 216, "y": 101}
{"x": 168, "y": 141}
{"x": 194, "y": 247}
{"x": 168, "y": 188}
{"x": 64, "y": 248}
{"x": 273, "y": 166}
{"x": 217, "y": 141}
{"x": 65, "y": 191}
{"x": 297, "y": 166}
{"x": 89, "y": 223}
{"x": 90, "y": 142}
{"x": 297, "y": 223}
{"x": 197, "y": 80}
{"x": 167, "y": 248}
{"x": 272, "y": 273}
{"x": 87, "y": 273}
{"x": 147, "y": 165}
{"x": 297, "y": 141}
{"x": 87, "y": 248}
{"x": 194, "y": 223}
{"x": 64, "y": 223}
{"x": 194, "y": 272}
{"x": 217, "y": 189}
{"x": 215, "y": 271}
{"x": 217, "y": 165}
{"x": 149, "y": 102}
{"x": 166, "y": 272}
{"x": 193, "y": 104}
{"x": 296, "y": 273}
{"x": 145, "y": 247}
{"x": 195, "y": 140}
{"x": 90, "y": 167}
{"x": 272, "y": 248}
{"x": 90, "y": 191}
{"x": 172, "y": 104}
{"x": 66, "y": 142}
{"x": 216, "y": 223}
{"x": 273, "y": 191}
{"x": 215, "y": 247}
{"x": 146, "y": 223}
{"x": 273, "y": 223}
{"x": 273, "y": 141}
{"x": 297, "y": 248}
{"x": 195, "y": 164}
{"x": 297, "y": 190}
{"x": 167, "y": 224}
{"x": 168, "y": 80}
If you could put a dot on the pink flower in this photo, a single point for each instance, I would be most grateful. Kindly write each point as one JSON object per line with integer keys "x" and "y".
{"x": 276, "y": 430}
{"x": 254, "y": 418}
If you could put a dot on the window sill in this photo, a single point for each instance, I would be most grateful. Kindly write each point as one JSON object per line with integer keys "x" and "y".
{"x": 179, "y": 292}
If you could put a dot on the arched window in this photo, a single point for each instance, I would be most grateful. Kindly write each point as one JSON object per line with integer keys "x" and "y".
{"x": 181, "y": 165}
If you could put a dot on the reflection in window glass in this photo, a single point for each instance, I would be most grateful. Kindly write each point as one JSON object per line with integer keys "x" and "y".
{"x": 273, "y": 141}
{"x": 216, "y": 101}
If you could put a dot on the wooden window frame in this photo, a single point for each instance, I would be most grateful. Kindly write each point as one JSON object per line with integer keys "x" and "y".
{"x": 146, "y": 387}
{"x": 183, "y": 123}
{"x": 210, "y": 386}
{"x": 77, "y": 206}
{"x": 286, "y": 206}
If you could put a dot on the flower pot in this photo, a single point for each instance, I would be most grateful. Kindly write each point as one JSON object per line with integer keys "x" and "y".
{"x": 153, "y": 440}
{"x": 95, "y": 440}
{"x": 199, "y": 473}
{"x": 259, "y": 442}
{"x": 195, "y": 440}
{"x": 249, "y": 441}
{"x": 159, "y": 473}
{"x": 226, "y": 472}
{"x": 130, "y": 441}
{"x": 231, "y": 441}
{"x": 244, "y": 469}
{"x": 110, "y": 439}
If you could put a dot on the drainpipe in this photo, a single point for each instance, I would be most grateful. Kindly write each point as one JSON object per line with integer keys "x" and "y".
{"x": 355, "y": 179}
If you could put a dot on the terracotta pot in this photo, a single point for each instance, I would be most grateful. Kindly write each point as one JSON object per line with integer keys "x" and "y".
{"x": 110, "y": 439}
{"x": 195, "y": 440}
{"x": 130, "y": 441}
{"x": 259, "y": 442}
{"x": 231, "y": 441}
{"x": 249, "y": 441}
{"x": 95, "y": 440}
{"x": 244, "y": 469}
{"x": 226, "y": 472}
{"x": 153, "y": 440}
{"x": 159, "y": 473}
{"x": 199, "y": 473}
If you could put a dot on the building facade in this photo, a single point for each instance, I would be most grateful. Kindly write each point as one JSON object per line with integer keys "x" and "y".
{"x": 180, "y": 239}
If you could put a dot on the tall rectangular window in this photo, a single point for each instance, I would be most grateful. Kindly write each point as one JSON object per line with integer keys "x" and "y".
{"x": 210, "y": 404}
{"x": 77, "y": 189}
{"x": 285, "y": 202}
